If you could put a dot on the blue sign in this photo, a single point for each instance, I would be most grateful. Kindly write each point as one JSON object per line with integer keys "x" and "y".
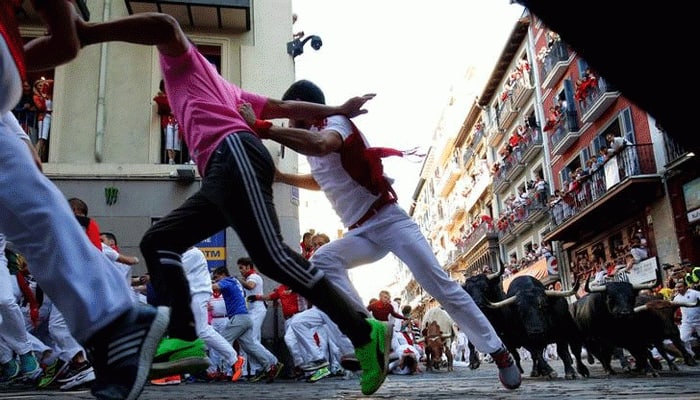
{"x": 214, "y": 249}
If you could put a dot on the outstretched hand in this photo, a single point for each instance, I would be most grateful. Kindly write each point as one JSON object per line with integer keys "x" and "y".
{"x": 353, "y": 107}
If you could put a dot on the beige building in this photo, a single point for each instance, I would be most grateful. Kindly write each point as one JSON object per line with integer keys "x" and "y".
{"x": 106, "y": 145}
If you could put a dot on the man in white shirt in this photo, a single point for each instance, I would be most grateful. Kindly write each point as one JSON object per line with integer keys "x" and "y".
{"x": 121, "y": 261}
{"x": 690, "y": 320}
{"x": 197, "y": 271}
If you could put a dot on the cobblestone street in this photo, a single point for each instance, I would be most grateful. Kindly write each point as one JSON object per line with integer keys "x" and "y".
{"x": 463, "y": 383}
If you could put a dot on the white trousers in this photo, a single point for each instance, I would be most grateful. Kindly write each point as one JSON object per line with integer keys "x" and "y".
{"x": 35, "y": 216}
{"x": 206, "y": 332}
{"x": 12, "y": 329}
{"x": 303, "y": 326}
{"x": 392, "y": 230}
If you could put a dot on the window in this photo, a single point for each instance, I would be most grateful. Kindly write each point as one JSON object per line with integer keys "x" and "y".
{"x": 621, "y": 126}
{"x": 34, "y": 111}
{"x": 173, "y": 150}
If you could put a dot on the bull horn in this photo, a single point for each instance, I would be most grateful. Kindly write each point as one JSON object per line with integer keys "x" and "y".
{"x": 502, "y": 303}
{"x": 497, "y": 274}
{"x": 640, "y": 308}
{"x": 695, "y": 303}
{"x": 561, "y": 293}
{"x": 592, "y": 289}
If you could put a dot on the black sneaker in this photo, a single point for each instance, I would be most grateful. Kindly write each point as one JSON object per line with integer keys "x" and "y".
{"x": 122, "y": 352}
{"x": 77, "y": 374}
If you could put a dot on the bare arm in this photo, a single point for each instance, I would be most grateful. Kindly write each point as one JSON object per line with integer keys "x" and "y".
{"x": 305, "y": 181}
{"x": 302, "y": 141}
{"x": 301, "y": 110}
{"x": 61, "y": 44}
{"x": 153, "y": 29}
{"x": 128, "y": 260}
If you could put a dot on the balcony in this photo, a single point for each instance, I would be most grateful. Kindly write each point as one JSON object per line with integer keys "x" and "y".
{"x": 220, "y": 15}
{"x": 507, "y": 113}
{"x": 521, "y": 217}
{"x": 531, "y": 145}
{"x": 480, "y": 185}
{"x": 564, "y": 133}
{"x": 495, "y": 134}
{"x": 675, "y": 153}
{"x": 500, "y": 183}
{"x": 596, "y": 100}
{"x": 514, "y": 165}
{"x": 521, "y": 92}
{"x": 471, "y": 239}
{"x": 620, "y": 188}
{"x": 554, "y": 64}
{"x": 449, "y": 177}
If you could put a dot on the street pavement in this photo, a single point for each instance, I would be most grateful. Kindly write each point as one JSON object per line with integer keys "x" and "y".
{"x": 462, "y": 383}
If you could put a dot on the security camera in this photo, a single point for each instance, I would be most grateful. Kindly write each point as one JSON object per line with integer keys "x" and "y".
{"x": 316, "y": 42}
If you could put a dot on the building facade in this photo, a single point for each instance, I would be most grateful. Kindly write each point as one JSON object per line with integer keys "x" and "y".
{"x": 106, "y": 144}
{"x": 550, "y": 154}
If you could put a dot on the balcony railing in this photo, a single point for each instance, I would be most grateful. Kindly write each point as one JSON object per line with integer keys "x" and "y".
{"x": 506, "y": 113}
{"x": 632, "y": 160}
{"x": 596, "y": 100}
{"x": 554, "y": 64}
{"x": 565, "y": 132}
{"x": 469, "y": 240}
{"x": 531, "y": 144}
{"x": 521, "y": 216}
{"x": 675, "y": 153}
{"x": 521, "y": 91}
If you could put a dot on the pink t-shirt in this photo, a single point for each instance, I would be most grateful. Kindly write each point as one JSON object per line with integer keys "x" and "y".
{"x": 204, "y": 103}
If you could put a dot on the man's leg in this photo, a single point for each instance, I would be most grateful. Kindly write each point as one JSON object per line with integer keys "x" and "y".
{"x": 244, "y": 172}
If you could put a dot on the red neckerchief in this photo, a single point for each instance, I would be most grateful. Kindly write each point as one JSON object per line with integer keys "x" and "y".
{"x": 29, "y": 297}
{"x": 249, "y": 273}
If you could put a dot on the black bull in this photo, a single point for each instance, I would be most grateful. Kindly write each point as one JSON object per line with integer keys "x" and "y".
{"x": 606, "y": 319}
{"x": 531, "y": 317}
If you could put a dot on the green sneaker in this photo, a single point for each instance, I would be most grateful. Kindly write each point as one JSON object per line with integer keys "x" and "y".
{"x": 319, "y": 374}
{"x": 374, "y": 357}
{"x": 177, "y": 356}
{"x": 51, "y": 372}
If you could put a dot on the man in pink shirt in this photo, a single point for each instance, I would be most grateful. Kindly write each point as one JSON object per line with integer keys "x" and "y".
{"x": 236, "y": 190}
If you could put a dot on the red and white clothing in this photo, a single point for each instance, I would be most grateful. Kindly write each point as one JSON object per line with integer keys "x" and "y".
{"x": 345, "y": 176}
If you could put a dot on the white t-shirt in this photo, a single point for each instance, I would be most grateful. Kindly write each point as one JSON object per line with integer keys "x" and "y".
{"x": 350, "y": 198}
{"x": 690, "y": 315}
{"x": 113, "y": 255}
{"x": 258, "y": 289}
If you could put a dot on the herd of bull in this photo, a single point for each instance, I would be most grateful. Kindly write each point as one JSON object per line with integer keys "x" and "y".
{"x": 608, "y": 318}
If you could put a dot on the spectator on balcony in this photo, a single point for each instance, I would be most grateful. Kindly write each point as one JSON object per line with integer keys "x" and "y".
{"x": 616, "y": 143}
{"x": 524, "y": 69}
{"x": 43, "y": 101}
{"x": 541, "y": 190}
{"x": 25, "y": 111}
{"x": 638, "y": 252}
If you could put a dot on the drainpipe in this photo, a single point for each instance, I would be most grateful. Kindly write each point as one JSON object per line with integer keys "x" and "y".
{"x": 101, "y": 117}
{"x": 539, "y": 106}
{"x": 559, "y": 253}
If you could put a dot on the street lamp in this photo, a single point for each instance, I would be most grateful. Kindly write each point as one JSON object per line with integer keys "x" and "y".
{"x": 296, "y": 46}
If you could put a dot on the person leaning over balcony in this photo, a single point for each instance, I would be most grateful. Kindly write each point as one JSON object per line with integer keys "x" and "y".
{"x": 351, "y": 175}
{"x": 236, "y": 190}
{"x": 617, "y": 143}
